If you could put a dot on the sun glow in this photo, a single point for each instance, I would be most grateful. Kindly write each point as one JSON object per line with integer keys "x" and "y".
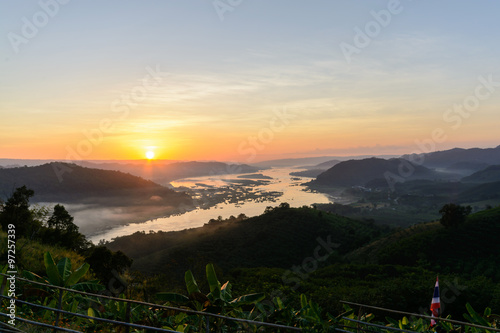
{"x": 150, "y": 155}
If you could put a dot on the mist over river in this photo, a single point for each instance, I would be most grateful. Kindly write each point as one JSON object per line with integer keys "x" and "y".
{"x": 249, "y": 194}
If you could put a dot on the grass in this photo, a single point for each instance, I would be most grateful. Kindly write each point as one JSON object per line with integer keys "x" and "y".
{"x": 29, "y": 254}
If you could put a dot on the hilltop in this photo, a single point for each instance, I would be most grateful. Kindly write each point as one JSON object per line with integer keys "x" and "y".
{"x": 314, "y": 170}
{"x": 486, "y": 175}
{"x": 471, "y": 249}
{"x": 447, "y": 158}
{"x": 276, "y": 252}
{"x": 276, "y": 238}
{"x": 360, "y": 172}
{"x": 164, "y": 172}
{"x": 70, "y": 183}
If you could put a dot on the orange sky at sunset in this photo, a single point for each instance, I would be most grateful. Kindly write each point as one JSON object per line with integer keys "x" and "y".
{"x": 267, "y": 80}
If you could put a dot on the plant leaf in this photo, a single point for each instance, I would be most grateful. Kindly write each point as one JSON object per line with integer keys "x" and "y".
{"x": 476, "y": 318}
{"x": 225, "y": 292}
{"x": 303, "y": 300}
{"x": 74, "y": 277}
{"x": 172, "y": 297}
{"x": 88, "y": 286}
{"x": 64, "y": 268}
{"x": 248, "y": 299}
{"x": 52, "y": 272}
{"x": 213, "y": 282}
{"x": 91, "y": 313}
{"x": 191, "y": 285}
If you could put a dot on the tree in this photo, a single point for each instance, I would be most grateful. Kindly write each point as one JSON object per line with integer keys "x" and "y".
{"x": 284, "y": 205}
{"x": 61, "y": 220}
{"x": 453, "y": 215}
{"x": 16, "y": 211}
{"x": 61, "y": 230}
{"x": 106, "y": 263}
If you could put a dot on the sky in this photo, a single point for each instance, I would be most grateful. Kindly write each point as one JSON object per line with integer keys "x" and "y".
{"x": 246, "y": 80}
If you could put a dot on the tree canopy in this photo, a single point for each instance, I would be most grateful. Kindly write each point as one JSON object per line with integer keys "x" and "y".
{"x": 16, "y": 211}
{"x": 453, "y": 215}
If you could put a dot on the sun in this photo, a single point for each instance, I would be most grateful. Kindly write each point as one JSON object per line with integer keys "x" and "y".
{"x": 150, "y": 155}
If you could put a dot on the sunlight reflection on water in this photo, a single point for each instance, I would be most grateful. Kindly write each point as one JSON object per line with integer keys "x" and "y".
{"x": 281, "y": 181}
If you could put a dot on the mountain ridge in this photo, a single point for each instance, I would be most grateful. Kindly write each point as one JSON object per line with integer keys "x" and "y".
{"x": 68, "y": 183}
{"x": 446, "y": 158}
{"x": 360, "y": 172}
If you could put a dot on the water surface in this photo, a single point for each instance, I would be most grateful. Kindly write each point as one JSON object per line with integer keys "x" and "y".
{"x": 247, "y": 195}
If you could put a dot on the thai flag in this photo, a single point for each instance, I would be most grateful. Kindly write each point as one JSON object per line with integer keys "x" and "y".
{"x": 436, "y": 303}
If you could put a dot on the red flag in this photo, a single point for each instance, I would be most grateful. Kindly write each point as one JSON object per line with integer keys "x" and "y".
{"x": 436, "y": 303}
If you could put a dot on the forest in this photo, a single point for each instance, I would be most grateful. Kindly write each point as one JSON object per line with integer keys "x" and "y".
{"x": 299, "y": 260}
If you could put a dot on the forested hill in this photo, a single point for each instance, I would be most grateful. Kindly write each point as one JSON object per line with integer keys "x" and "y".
{"x": 163, "y": 173}
{"x": 360, "y": 172}
{"x": 447, "y": 158}
{"x": 487, "y": 175}
{"x": 471, "y": 248}
{"x": 67, "y": 183}
{"x": 281, "y": 237}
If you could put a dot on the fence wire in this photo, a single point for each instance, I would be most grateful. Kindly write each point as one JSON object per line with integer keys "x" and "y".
{"x": 128, "y": 301}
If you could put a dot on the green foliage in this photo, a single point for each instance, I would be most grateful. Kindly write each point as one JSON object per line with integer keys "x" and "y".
{"x": 62, "y": 231}
{"x": 274, "y": 239}
{"x": 306, "y": 314}
{"x": 219, "y": 300}
{"x": 106, "y": 263}
{"x": 452, "y": 215}
{"x": 16, "y": 211}
{"x": 61, "y": 275}
{"x": 85, "y": 185}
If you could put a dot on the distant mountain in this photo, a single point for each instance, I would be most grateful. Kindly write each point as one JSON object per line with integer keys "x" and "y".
{"x": 314, "y": 170}
{"x": 486, "y": 191}
{"x": 163, "y": 173}
{"x": 294, "y": 162}
{"x": 466, "y": 168}
{"x": 446, "y": 158}
{"x": 311, "y": 173}
{"x": 327, "y": 164}
{"x": 360, "y": 172}
{"x": 311, "y": 162}
{"x": 70, "y": 183}
{"x": 488, "y": 175}
{"x": 14, "y": 163}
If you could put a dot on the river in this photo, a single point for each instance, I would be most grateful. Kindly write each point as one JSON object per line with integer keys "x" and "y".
{"x": 249, "y": 194}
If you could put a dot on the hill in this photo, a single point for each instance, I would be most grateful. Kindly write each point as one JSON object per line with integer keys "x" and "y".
{"x": 276, "y": 238}
{"x": 360, "y": 172}
{"x": 487, "y": 175}
{"x": 446, "y": 158}
{"x": 70, "y": 183}
{"x": 292, "y": 162}
{"x": 466, "y": 168}
{"x": 482, "y": 192}
{"x": 471, "y": 249}
{"x": 314, "y": 170}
